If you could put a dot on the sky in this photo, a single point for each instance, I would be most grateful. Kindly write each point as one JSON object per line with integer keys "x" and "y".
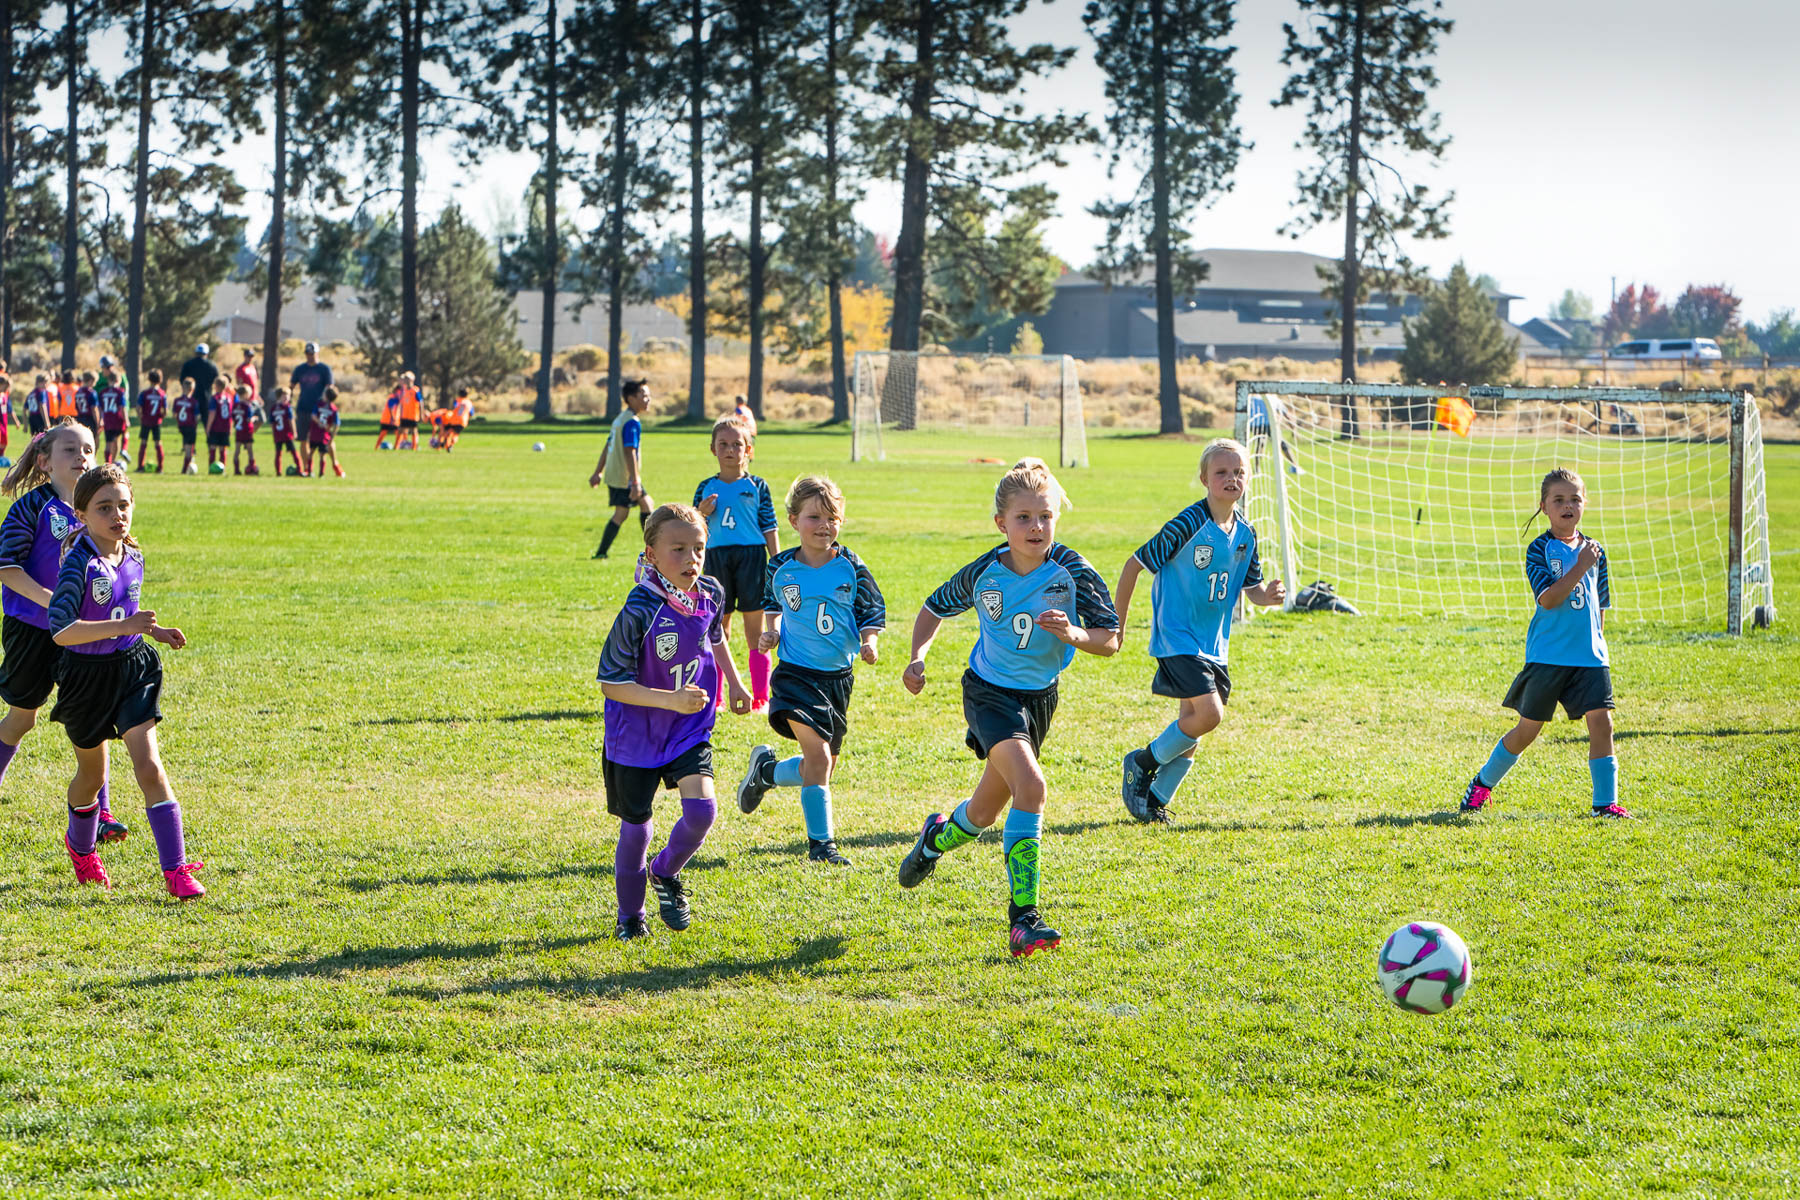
{"x": 1595, "y": 143}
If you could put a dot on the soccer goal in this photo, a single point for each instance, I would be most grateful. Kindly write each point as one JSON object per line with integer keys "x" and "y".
{"x": 1415, "y": 500}
{"x": 994, "y": 405}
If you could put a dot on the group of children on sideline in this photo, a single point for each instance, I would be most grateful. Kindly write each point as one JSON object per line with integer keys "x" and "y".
{"x": 666, "y": 669}
{"x": 73, "y": 587}
{"x": 404, "y": 412}
{"x": 231, "y": 417}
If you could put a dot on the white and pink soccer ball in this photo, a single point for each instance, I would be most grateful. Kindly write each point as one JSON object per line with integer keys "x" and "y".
{"x": 1424, "y": 967}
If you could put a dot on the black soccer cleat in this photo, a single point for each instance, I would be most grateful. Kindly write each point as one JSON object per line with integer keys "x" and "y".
{"x": 1158, "y": 813}
{"x": 632, "y": 927}
{"x": 1029, "y": 933}
{"x": 751, "y": 791}
{"x": 917, "y": 864}
{"x": 1135, "y": 789}
{"x": 671, "y": 900}
{"x": 825, "y": 852}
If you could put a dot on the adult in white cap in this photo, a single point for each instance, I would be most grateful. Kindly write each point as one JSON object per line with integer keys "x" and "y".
{"x": 309, "y": 381}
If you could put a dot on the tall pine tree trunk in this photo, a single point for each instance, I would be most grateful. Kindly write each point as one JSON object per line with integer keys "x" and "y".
{"x": 411, "y": 39}
{"x": 1168, "y": 391}
{"x": 696, "y": 407}
{"x": 140, "y": 200}
{"x": 271, "y": 354}
{"x": 615, "y": 222}
{"x": 1351, "y": 273}
{"x": 71, "y": 51}
{"x": 6, "y": 177}
{"x": 758, "y": 258}
{"x": 834, "y": 283}
{"x": 552, "y": 93}
{"x": 900, "y": 388}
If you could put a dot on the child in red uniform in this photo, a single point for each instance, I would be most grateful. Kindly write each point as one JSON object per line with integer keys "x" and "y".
{"x": 186, "y": 408}
{"x": 281, "y": 425}
{"x": 218, "y": 424}
{"x": 243, "y": 428}
{"x": 323, "y": 431}
{"x": 6, "y": 412}
{"x": 115, "y": 417}
{"x": 86, "y": 402}
{"x": 153, "y": 405}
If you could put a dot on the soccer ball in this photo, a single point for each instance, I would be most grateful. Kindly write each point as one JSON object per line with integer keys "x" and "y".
{"x": 192, "y": 468}
{"x": 384, "y": 446}
{"x": 538, "y": 446}
{"x": 217, "y": 468}
{"x": 5, "y": 462}
{"x": 434, "y": 443}
{"x": 1424, "y": 967}
{"x": 253, "y": 469}
{"x": 293, "y": 470}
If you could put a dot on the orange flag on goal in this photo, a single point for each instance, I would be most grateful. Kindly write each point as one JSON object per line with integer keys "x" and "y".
{"x": 1456, "y": 414}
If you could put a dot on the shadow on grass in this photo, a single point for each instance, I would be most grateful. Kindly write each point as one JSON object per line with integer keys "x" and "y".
{"x": 858, "y": 841}
{"x": 371, "y": 958}
{"x": 564, "y": 714}
{"x": 802, "y": 958}
{"x": 1397, "y": 821}
{"x": 509, "y": 875}
{"x": 1619, "y": 734}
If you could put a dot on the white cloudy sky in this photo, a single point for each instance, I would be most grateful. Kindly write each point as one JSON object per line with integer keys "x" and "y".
{"x": 1593, "y": 139}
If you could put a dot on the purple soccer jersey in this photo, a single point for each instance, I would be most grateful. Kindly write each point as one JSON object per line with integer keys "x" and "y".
{"x": 654, "y": 644}
{"x": 31, "y": 537}
{"x": 89, "y": 588}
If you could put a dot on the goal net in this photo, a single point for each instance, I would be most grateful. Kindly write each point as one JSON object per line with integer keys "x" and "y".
{"x": 993, "y": 405}
{"x": 1413, "y": 500}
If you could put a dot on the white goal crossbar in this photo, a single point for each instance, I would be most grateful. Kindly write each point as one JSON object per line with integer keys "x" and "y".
{"x": 1417, "y": 500}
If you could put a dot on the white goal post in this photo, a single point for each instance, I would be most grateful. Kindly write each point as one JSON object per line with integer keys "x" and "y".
{"x": 901, "y": 397}
{"x": 1415, "y": 500}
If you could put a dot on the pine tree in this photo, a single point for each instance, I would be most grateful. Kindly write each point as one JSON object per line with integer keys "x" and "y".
{"x": 1458, "y": 337}
{"x": 468, "y": 332}
{"x": 951, "y": 79}
{"x": 1365, "y": 77}
{"x": 1174, "y": 102}
{"x": 24, "y": 153}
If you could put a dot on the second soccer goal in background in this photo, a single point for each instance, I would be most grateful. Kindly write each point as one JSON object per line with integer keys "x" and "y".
{"x": 1414, "y": 500}
{"x": 1001, "y": 406}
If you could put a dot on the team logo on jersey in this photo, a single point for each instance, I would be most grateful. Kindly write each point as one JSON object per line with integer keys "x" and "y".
{"x": 1057, "y": 591}
{"x": 790, "y": 596}
{"x": 992, "y": 603}
{"x": 1556, "y": 567}
{"x": 136, "y": 590}
{"x": 1202, "y": 555}
{"x": 59, "y": 524}
{"x": 666, "y": 645}
{"x": 102, "y": 590}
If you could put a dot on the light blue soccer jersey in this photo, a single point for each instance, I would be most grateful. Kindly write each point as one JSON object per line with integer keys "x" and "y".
{"x": 823, "y": 610}
{"x": 1200, "y": 569}
{"x": 744, "y": 514}
{"x": 1011, "y": 651}
{"x": 1570, "y": 634}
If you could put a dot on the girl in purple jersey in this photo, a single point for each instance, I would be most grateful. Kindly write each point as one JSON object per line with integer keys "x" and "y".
{"x": 110, "y": 679}
{"x": 43, "y": 480}
{"x": 660, "y": 672}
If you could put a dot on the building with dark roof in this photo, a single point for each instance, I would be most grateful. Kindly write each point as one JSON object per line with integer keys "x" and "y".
{"x": 1253, "y": 304}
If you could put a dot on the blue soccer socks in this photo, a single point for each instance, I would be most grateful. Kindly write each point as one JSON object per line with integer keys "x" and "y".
{"x": 1171, "y": 744}
{"x": 1168, "y": 778}
{"x": 815, "y": 806}
{"x": 1498, "y": 764}
{"x": 787, "y": 772}
{"x": 1606, "y": 780}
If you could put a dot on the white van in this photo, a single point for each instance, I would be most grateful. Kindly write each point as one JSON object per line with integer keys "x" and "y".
{"x": 1643, "y": 348}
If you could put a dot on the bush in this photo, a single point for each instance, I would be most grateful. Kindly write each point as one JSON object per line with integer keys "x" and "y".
{"x": 585, "y": 358}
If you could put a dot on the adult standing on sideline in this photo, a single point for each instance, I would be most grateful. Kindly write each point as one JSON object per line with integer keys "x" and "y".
{"x": 309, "y": 381}
{"x": 246, "y": 375}
{"x": 201, "y": 370}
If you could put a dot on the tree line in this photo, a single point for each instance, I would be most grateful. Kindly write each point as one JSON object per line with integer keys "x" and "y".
{"x": 761, "y": 122}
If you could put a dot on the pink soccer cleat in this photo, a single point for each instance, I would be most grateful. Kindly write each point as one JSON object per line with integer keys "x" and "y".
{"x": 1614, "y": 811}
{"x": 88, "y": 867}
{"x": 1476, "y": 797}
{"x": 182, "y": 884}
{"x": 111, "y": 828}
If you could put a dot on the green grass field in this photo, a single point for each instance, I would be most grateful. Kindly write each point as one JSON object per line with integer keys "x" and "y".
{"x": 385, "y": 736}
